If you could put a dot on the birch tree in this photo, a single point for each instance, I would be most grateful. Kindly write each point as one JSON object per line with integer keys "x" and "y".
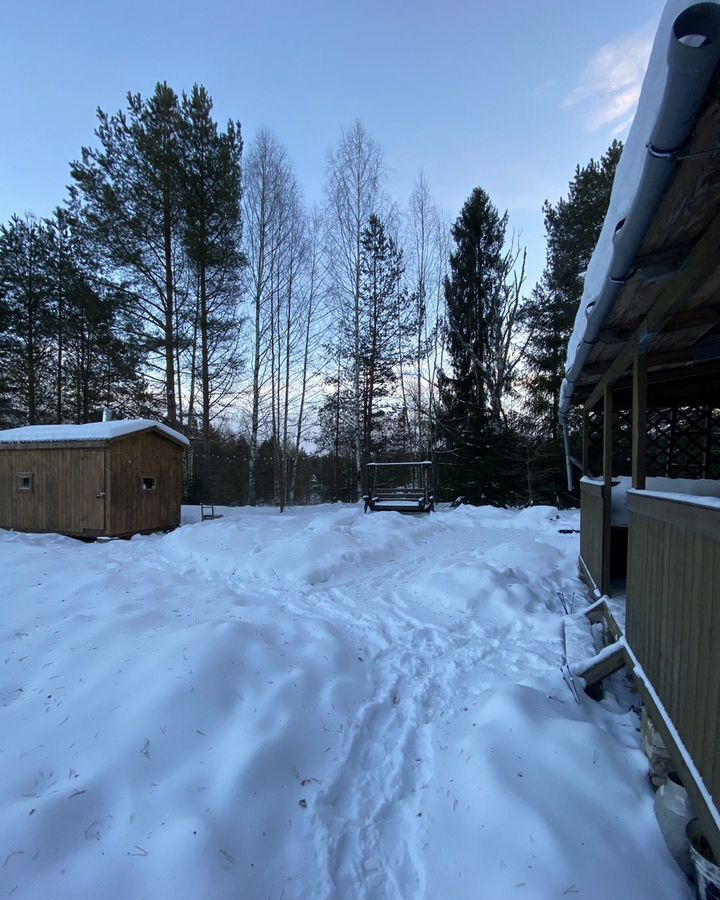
{"x": 265, "y": 213}
{"x": 354, "y": 179}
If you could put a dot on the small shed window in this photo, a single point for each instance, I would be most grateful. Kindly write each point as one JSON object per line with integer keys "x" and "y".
{"x": 24, "y": 482}
{"x": 149, "y": 484}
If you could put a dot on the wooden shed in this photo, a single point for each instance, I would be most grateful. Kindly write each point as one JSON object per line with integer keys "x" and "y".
{"x": 644, "y": 372}
{"x": 111, "y": 478}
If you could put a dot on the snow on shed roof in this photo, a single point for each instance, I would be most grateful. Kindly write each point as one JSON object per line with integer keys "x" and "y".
{"x": 93, "y": 431}
{"x": 682, "y": 61}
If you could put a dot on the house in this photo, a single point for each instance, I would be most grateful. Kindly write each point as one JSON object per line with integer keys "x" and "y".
{"x": 643, "y": 370}
{"x": 110, "y": 478}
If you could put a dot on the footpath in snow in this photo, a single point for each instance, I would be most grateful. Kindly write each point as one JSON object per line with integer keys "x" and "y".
{"x": 318, "y": 704}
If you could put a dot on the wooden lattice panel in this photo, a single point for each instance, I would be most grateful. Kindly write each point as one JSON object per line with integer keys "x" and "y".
{"x": 595, "y": 442}
{"x": 622, "y": 442}
{"x": 682, "y": 442}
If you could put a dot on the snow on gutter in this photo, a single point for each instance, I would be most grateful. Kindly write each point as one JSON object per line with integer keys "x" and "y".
{"x": 684, "y": 57}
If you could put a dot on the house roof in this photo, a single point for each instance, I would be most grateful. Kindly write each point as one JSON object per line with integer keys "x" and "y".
{"x": 93, "y": 431}
{"x": 665, "y": 198}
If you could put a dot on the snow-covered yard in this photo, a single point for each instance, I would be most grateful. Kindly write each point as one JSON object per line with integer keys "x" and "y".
{"x": 319, "y": 704}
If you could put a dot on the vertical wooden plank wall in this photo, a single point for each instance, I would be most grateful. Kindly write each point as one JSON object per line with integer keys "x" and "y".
{"x": 604, "y": 583}
{"x": 673, "y": 618}
{"x": 131, "y": 459}
{"x": 592, "y": 528}
{"x": 65, "y": 483}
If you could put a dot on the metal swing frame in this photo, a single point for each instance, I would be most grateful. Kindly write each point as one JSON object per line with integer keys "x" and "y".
{"x": 401, "y": 499}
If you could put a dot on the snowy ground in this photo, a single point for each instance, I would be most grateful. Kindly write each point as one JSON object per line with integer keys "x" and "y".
{"x": 314, "y": 705}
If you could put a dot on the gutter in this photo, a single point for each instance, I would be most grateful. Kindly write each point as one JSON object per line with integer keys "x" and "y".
{"x": 692, "y": 58}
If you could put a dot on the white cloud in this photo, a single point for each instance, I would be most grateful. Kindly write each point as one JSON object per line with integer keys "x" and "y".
{"x": 545, "y": 86}
{"x": 610, "y": 84}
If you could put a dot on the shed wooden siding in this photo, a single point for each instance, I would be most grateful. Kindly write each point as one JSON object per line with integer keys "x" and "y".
{"x": 673, "y": 618}
{"x": 130, "y": 459}
{"x": 92, "y": 488}
{"x": 65, "y": 482}
{"x": 591, "y": 529}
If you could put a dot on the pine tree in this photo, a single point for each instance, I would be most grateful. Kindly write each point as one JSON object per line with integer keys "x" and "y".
{"x": 211, "y": 232}
{"x": 102, "y": 359}
{"x": 572, "y": 227}
{"x": 127, "y": 193}
{"x": 25, "y": 307}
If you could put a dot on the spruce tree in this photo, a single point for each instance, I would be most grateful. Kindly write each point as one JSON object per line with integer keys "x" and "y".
{"x": 472, "y": 289}
{"x": 384, "y": 314}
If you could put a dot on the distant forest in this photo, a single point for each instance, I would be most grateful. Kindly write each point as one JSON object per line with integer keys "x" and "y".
{"x": 184, "y": 279}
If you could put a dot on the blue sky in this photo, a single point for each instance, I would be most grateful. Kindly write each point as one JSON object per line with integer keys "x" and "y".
{"x": 508, "y": 95}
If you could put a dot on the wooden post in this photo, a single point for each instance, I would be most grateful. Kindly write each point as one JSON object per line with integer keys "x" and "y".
{"x": 586, "y": 443}
{"x": 639, "y": 419}
{"x": 607, "y": 486}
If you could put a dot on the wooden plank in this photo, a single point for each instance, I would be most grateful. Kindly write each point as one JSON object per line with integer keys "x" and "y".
{"x": 592, "y": 487}
{"x": 591, "y": 529}
{"x": 612, "y": 662}
{"x": 585, "y": 574}
{"x": 711, "y": 748}
{"x": 674, "y": 616}
{"x": 639, "y": 420}
{"x": 693, "y": 629}
{"x": 602, "y": 613}
{"x": 607, "y": 488}
{"x": 586, "y": 443}
{"x": 679, "y": 512}
{"x": 702, "y": 700}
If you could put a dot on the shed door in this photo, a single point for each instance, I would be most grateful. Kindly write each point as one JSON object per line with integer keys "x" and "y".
{"x": 92, "y": 475}
{"x": 81, "y": 492}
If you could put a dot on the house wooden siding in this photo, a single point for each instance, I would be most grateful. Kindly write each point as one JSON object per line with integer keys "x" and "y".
{"x": 673, "y": 617}
{"x": 92, "y": 488}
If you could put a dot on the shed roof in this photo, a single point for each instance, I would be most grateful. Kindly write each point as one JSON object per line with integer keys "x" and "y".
{"x": 92, "y": 431}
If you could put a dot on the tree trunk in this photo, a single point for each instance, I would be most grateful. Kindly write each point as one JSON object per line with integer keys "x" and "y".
{"x": 255, "y": 416}
{"x": 205, "y": 378}
{"x": 169, "y": 312}
{"x": 301, "y": 410}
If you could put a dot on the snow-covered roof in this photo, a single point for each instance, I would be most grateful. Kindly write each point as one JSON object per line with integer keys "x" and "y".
{"x": 425, "y": 462}
{"x": 683, "y": 59}
{"x": 92, "y": 431}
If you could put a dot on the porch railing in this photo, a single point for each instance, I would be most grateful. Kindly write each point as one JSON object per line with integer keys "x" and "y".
{"x": 591, "y": 528}
{"x": 673, "y": 616}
